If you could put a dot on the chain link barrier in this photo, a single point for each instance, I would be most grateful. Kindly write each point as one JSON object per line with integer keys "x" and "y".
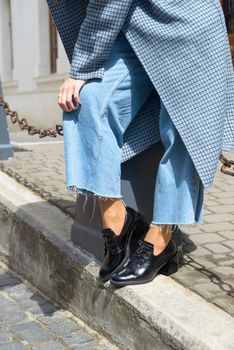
{"x": 23, "y": 124}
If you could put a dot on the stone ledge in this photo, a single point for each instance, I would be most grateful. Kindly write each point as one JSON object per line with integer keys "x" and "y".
{"x": 35, "y": 241}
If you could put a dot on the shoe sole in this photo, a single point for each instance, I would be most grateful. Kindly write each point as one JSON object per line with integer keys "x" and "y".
{"x": 167, "y": 268}
{"x": 139, "y": 220}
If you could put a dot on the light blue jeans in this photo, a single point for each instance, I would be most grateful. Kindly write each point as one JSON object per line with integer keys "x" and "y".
{"x": 93, "y": 140}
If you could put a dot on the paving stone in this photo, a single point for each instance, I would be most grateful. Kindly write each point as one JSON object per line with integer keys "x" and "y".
{"x": 13, "y": 317}
{"x": 202, "y": 262}
{"x": 219, "y": 257}
{"x": 222, "y": 194}
{"x": 48, "y": 346}
{"x": 85, "y": 346}
{"x": 226, "y": 302}
{"x": 64, "y": 326}
{"x": 43, "y": 309}
{"x": 32, "y": 331}
{"x": 29, "y": 300}
{"x": 229, "y": 262}
{"x": 28, "y": 303}
{"x": 13, "y": 346}
{"x": 77, "y": 338}
{"x": 224, "y": 270}
{"x": 5, "y": 302}
{"x": 223, "y": 209}
{"x": 227, "y": 284}
{"x": 192, "y": 230}
{"x": 217, "y": 218}
{"x": 209, "y": 203}
{"x": 229, "y": 244}
{"x": 213, "y": 190}
{"x": 2, "y": 326}
{"x": 190, "y": 276}
{"x": 199, "y": 251}
{"x": 207, "y": 211}
{"x": 49, "y": 318}
{"x": 207, "y": 238}
{"x": 8, "y": 309}
{"x": 208, "y": 290}
{"x": 5, "y": 336}
{"x": 57, "y": 324}
{"x": 217, "y": 248}
{"x": 8, "y": 280}
{"x": 227, "y": 234}
{"x": 218, "y": 226}
{"x": 226, "y": 200}
{"x": 19, "y": 291}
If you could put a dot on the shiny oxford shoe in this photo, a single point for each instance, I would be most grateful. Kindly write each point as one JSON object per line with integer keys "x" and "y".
{"x": 117, "y": 249}
{"x": 143, "y": 265}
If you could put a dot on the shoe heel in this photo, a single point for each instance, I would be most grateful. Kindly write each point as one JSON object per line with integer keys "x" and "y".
{"x": 171, "y": 266}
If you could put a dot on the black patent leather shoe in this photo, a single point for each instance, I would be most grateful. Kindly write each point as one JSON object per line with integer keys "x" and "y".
{"x": 143, "y": 265}
{"x": 118, "y": 248}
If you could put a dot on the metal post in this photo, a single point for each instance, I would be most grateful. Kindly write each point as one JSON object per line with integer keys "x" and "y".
{"x": 6, "y": 150}
{"x": 138, "y": 181}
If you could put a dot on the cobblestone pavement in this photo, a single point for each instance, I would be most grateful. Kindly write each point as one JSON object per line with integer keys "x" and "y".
{"x": 208, "y": 248}
{"x": 31, "y": 322}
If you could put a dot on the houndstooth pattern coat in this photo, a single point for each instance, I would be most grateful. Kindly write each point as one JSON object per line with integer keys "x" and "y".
{"x": 183, "y": 46}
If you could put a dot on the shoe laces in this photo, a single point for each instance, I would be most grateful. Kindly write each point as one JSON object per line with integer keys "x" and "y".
{"x": 110, "y": 241}
{"x": 141, "y": 253}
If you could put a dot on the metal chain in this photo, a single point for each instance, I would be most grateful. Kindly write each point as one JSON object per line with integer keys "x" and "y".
{"x": 226, "y": 164}
{"x": 23, "y": 124}
{"x": 24, "y": 181}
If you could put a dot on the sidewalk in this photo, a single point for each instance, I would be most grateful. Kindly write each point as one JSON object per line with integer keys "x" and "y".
{"x": 208, "y": 248}
{"x": 30, "y": 321}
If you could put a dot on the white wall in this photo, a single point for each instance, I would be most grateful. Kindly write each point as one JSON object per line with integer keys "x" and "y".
{"x": 29, "y": 87}
{"x": 5, "y": 40}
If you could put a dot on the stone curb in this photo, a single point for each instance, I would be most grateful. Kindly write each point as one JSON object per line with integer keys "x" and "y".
{"x": 35, "y": 241}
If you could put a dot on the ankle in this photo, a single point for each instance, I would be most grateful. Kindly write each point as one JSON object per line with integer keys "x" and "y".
{"x": 160, "y": 231}
{"x": 159, "y": 236}
{"x": 113, "y": 217}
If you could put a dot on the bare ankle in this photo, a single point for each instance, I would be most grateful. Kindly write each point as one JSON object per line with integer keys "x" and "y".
{"x": 159, "y": 236}
{"x": 113, "y": 214}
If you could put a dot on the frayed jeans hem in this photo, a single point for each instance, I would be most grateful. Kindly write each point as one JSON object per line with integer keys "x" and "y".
{"x": 87, "y": 193}
{"x": 177, "y": 222}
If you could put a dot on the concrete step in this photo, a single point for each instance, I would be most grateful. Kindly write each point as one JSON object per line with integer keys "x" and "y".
{"x": 35, "y": 241}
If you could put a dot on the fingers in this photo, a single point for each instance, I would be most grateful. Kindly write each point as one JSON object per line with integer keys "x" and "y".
{"x": 65, "y": 101}
{"x": 62, "y": 99}
{"x": 76, "y": 92}
{"x": 69, "y": 102}
{"x": 70, "y": 88}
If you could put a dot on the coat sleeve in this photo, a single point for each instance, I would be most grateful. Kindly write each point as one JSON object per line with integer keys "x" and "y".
{"x": 104, "y": 20}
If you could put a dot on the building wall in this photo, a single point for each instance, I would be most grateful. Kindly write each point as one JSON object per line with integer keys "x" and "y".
{"x": 28, "y": 85}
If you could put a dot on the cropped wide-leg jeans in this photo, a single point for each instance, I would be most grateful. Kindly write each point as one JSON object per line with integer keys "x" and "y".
{"x": 93, "y": 140}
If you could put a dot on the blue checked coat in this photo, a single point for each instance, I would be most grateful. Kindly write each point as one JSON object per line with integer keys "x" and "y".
{"x": 183, "y": 46}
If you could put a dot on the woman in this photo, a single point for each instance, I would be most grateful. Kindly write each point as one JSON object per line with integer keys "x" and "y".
{"x": 141, "y": 71}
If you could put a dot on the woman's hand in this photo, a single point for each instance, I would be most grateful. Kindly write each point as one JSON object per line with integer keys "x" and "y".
{"x": 70, "y": 88}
